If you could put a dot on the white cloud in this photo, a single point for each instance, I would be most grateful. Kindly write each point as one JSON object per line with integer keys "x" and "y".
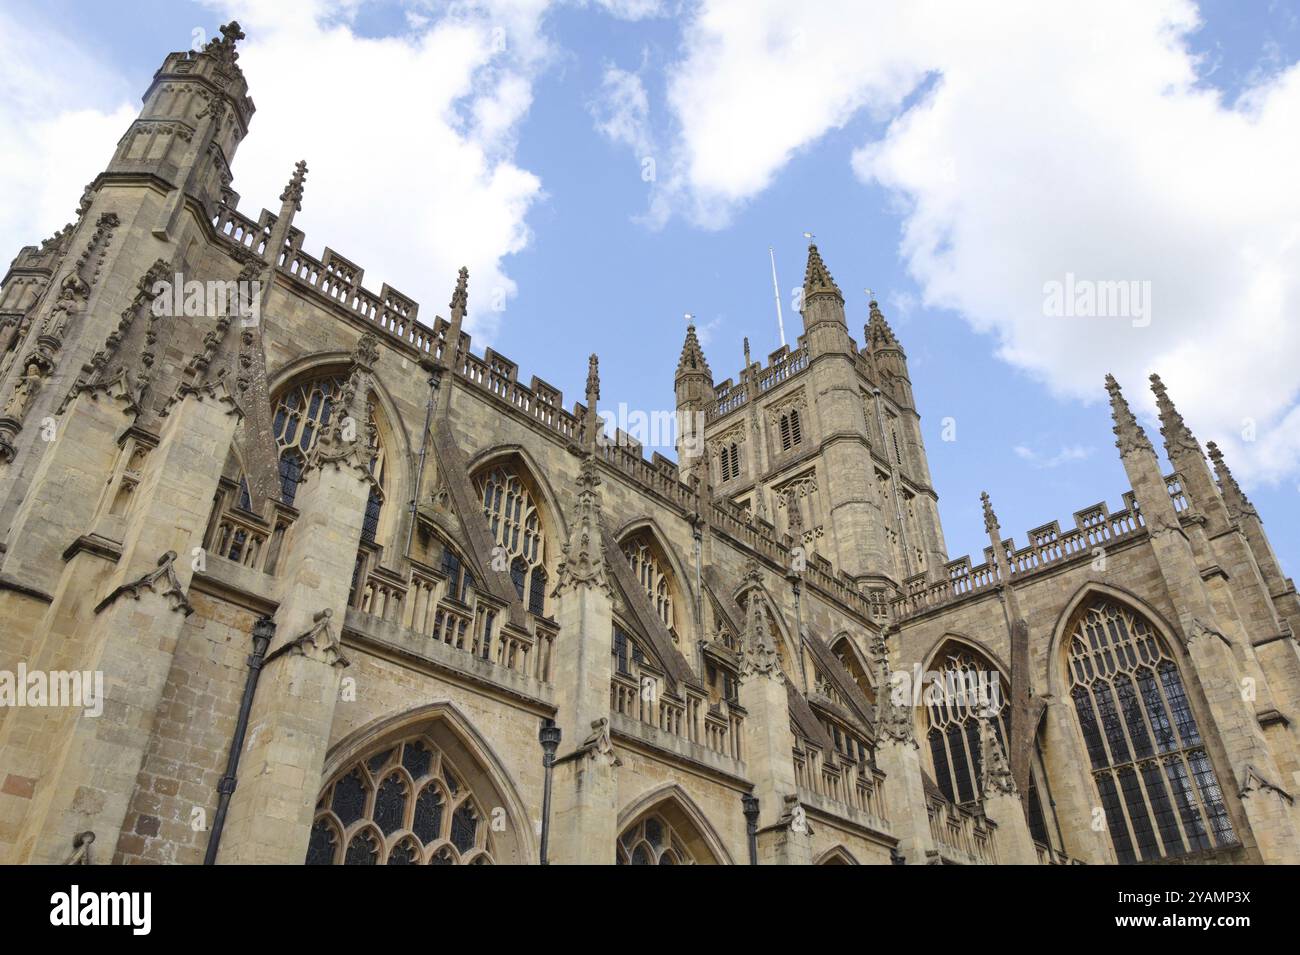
{"x": 1066, "y": 455}
{"x": 1028, "y": 141}
{"x": 58, "y": 125}
{"x": 409, "y": 138}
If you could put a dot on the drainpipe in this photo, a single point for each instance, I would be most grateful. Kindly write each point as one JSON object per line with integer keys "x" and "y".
{"x": 263, "y": 631}
{"x": 549, "y": 737}
{"x": 435, "y": 379}
{"x": 750, "y": 804}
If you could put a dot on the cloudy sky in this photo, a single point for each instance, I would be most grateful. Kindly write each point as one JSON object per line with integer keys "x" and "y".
{"x": 605, "y": 166}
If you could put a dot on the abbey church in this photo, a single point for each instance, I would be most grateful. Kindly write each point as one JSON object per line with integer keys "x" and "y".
{"x": 355, "y": 593}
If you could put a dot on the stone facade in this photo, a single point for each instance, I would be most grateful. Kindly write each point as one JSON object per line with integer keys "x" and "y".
{"x": 761, "y": 652}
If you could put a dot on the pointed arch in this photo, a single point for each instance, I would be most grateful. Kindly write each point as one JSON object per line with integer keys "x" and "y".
{"x": 964, "y": 685}
{"x": 836, "y": 855}
{"x": 476, "y": 765}
{"x": 684, "y": 623}
{"x": 1056, "y": 685}
{"x": 845, "y": 649}
{"x": 952, "y": 639}
{"x": 1149, "y": 763}
{"x": 502, "y": 453}
{"x": 671, "y": 802}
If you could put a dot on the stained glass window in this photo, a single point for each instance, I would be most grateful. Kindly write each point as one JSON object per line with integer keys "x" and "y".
{"x": 516, "y": 526}
{"x": 1157, "y": 786}
{"x": 652, "y": 841}
{"x": 969, "y": 689}
{"x": 402, "y": 805}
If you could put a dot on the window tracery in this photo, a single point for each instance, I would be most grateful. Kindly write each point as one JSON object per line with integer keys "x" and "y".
{"x": 652, "y": 573}
{"x": 1158, "y": 788}
{"x": 516, "y": 525}
{"x": 967, "y": 689}
{"x": 403, "y": 805}
{"x": 652, "y": 841}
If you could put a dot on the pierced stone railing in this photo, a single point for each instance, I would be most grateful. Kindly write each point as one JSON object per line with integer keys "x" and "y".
{"x": 841, "y": 781}
{"x": 961, "y": 834}
{"x": 243, "y": 537}
{"x": 638, "y": 694}
{"x": 1049, "y": 546}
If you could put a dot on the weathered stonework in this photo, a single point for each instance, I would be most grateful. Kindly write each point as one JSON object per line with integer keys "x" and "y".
{"x": 452, "y": 559}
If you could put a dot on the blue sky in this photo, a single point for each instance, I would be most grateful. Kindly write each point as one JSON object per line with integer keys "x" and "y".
{"x": 953, "y": 167}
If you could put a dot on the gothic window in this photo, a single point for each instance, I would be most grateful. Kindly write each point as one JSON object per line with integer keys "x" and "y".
{"x": 1158, "y": 789}
{"x": 459, "y": 580}
{"x": 652, "y": 573}
{"x": 729, "y": 461}
{"x": 790, "y": 428}
{"x": 625, "y": 649}
{"x": 652, "y": 841}
{"x": 402, "y": 805}
{"x": 966, "y": 690}
{"x": 516, "y": 525}
{"x": 300, "y": 415}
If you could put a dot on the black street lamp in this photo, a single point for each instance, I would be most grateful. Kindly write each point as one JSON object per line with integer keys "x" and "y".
{"x": 750, "y": 803}
{"x": 549, "y": 737}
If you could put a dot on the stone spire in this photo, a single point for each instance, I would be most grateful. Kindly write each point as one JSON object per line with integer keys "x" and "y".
{"x": 878, "y": 333}
{"x": 817, "y": 279}
{"x": 293, "y": 191}
{"x": 692, "y": 360}
{"x": 995, "y": 771}
{"x": 991, "y": 525}
{"x": 1233, "y": 496}
{"x": 459, "y": 304}
{"x": 1178, "y": 437}
{"x": 1129, "y": 434}
{"x": 223, "y": 50}
{"x": 593, "y": 396}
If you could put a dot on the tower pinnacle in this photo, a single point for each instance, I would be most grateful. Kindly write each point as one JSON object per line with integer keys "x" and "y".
{"x": 1178, "y": 437}
{"x": 293, "y": 191}
{"x": 1233, "y": 495}
{"x": 692, "y": 359}
{"x": 878, "y": 333}
{"x": 817, "y": 279}
{"x": 1129, "y": 434}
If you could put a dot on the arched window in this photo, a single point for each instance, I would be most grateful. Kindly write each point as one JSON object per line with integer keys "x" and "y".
{"x": 791, "y": 429}
{"x": 1158, "y": 789}
{"x": 729, "y": 461}
{"x": 301, "y": 413}
{"x": 516, "y": 525}
{"x": 968, "y": 689}
{"x": 651, "y": 571}
{"x": 403, "y": 805}
{"x": 652, "y": 841}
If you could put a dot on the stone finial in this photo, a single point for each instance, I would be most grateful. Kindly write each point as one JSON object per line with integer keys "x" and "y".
{"x": 995, "y": 770}
{"x": 748, "y": 360}
{"x": 593, "y": 382}
{"x": 692, "y": 359}
{"x": 1178, "y": 437}
{"x": 582, "y": 563}
{"x": 991, "y": 524}
{"x": 893, "y": 713}
{"x": 293, "y": 191}
{"x": 224, "y": 49}
{"x": 878, "y": 333}
{"x": 1233, "y": 496}
{"x": 817, "y": 278}
{"x": 1129, "y": 434}
{"x": 349, "y": 436}
{"x": 460, "y": 298}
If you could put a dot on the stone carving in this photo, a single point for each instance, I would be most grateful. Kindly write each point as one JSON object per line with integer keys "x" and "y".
{"x": 995, "y": 770}
{"x": 583, "y": 560}
{"x": 162, "y": 581}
